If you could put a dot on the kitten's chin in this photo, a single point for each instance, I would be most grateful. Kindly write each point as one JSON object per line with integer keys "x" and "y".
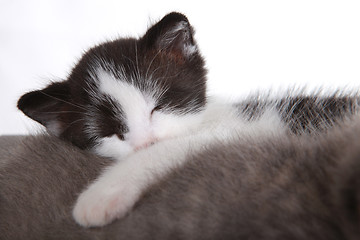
{"x": 114, "y": 148}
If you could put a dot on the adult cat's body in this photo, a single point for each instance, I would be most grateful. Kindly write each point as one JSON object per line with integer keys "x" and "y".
{"x": 126, "y": 95}
{"x": 285, "y": 187}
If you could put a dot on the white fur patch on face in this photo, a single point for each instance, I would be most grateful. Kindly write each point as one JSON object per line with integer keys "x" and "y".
{"x": 136, "y": 105}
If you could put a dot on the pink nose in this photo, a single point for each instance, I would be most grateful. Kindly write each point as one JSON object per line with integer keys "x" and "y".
{"x": 144, "y": 145}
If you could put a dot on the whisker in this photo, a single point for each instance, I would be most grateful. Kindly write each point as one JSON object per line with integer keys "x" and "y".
{"x": 73, "y": 122}
{"x": 64, "y": 112}
{"x": 151, "y": 62}
{"x": 137, "y": 61}
{"x": 61, "y": 100}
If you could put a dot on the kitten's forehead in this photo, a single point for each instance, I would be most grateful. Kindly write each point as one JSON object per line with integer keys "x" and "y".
{"x": 136, "y": 105}
{"x": 122, "y": 84}
{"x": 128, "y": 95}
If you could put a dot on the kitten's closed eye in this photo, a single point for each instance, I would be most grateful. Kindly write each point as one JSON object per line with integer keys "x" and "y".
{"x": 120, "y": 136}
{"x": 157, "y": 108}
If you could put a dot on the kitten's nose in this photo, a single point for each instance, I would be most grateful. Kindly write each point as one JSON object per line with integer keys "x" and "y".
{"x": 145, "y": 145}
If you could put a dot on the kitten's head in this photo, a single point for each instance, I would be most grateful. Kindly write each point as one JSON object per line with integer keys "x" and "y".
{"x": 130, "y": 92}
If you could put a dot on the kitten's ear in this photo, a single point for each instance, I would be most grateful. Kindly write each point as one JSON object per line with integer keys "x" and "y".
{"x": 47, "y": 105}
{"x": 172, "y": 34}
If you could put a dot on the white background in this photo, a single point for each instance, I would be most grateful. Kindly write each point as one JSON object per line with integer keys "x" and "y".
{"x": 248, "y": 45}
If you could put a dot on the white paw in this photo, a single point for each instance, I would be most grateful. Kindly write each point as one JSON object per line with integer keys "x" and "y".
{"x": 99, "y": 205}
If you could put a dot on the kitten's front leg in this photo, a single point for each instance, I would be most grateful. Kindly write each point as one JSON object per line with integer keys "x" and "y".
{"x": 110, "y": 196}
{"x": 116, "y": 191}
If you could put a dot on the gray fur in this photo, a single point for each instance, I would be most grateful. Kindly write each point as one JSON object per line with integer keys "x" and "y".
{"x": 293, "y": 187}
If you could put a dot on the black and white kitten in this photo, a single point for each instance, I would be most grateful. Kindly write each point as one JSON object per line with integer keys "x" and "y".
{"x": 143, "y": 103}
{"x": 128, "y": 93}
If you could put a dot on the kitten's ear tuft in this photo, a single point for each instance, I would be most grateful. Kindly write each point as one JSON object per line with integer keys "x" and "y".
{"x": 172, "y": 34}
{"x": 47, "y": 105}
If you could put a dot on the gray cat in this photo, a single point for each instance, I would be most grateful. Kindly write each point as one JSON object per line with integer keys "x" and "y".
{"x": 291, "y": 187}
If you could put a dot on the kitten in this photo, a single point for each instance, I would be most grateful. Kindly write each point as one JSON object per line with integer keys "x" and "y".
{"x": 143, "y": 103}
{"x": 128, "y": 93}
